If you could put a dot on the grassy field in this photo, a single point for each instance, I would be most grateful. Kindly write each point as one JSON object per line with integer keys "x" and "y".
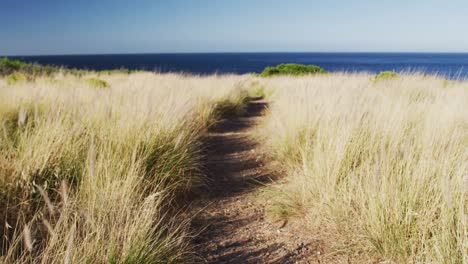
{"x": 95, "y": 167}
{"x": 375, "y": 167}
{"x": 91, "y": 165}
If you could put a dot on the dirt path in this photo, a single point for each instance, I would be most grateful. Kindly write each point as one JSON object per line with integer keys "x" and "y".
{"x": 235, "y": 226}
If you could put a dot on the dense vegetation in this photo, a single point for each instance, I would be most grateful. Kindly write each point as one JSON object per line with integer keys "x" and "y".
{"x": 91, "y": 175}
{"x": 386, "y": 75}
{"x": 291, "y": 69}
{"x": 8, "y": 67}
{"x": 368, "y": 172}
{"x": 98, "y": 83}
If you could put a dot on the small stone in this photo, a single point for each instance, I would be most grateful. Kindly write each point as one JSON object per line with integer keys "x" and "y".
{"x": 244, "y": 240}
{"x": 283, "y": 224}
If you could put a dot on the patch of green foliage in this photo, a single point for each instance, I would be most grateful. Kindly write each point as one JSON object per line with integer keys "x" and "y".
{"x": 98, "y": 83}
{"x": 33, "y": 70}
{"x": 16, "y": 77}
{"x": 8, "y": 67}
{"x": 291, "y": 69}
{"x": 386, "y": 75}
{"x": 449, "y": 83}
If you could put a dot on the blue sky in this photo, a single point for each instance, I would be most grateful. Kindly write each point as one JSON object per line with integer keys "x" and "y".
{"x": 37, "y": 27}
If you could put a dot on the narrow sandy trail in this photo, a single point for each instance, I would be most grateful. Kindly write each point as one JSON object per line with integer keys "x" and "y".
{"x": 235, "y": 227}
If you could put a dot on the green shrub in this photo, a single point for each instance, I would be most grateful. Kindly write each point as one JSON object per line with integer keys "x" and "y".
{"x": 386, "y": 75}
{"x": 270, "y": 71}
{"x": 32, "y": 70}
{"x": 98, "y": 83}
{"x": 16, "y": 78}
{"x": 450, "y": 83}
{"x": 8, "y": 66}
{"x": 291, "y": 69}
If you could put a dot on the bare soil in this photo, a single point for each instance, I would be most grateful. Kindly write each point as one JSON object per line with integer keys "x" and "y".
{"x": 234, "y": 226}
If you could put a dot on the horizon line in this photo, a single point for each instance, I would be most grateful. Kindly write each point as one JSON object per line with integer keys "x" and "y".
{"x": 239, "y": 52}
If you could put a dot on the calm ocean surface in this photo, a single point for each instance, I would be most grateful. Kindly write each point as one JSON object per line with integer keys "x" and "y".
{"x": 451, "y": 65}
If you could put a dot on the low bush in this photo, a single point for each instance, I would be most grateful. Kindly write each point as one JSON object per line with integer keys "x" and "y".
{"x": 450, "y": 83}
{"x": 8, "y": 66}
{"x": 15, "y": 78}
{"x": 291, "y": 69}
{"x": 97, "y": 83}
{"x": 386, "y": 75}
{"x": 33, "y": 70}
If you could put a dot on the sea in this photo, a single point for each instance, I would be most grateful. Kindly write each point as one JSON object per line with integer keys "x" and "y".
{"x": 449, "y": 65}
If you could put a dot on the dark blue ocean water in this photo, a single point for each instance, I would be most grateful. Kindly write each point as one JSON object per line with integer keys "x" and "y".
{"x": 452, "y": 65}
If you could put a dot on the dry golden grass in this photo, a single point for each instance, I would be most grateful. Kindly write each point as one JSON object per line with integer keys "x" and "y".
{"x": 88, "y": 172}
{"x": 378, "y": 169}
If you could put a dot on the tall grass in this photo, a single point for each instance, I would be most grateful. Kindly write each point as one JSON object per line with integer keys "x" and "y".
{"x": 377, "y": 169}
{"x": 90, "y": 175}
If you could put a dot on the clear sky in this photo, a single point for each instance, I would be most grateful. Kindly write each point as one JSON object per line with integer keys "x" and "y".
{"x": 37, "y": 27}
